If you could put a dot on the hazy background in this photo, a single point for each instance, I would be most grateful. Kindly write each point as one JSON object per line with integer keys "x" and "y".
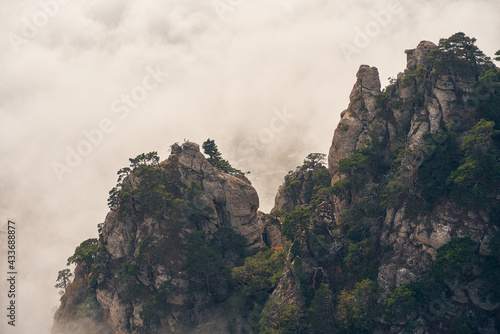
{"x": 231, "y": 71}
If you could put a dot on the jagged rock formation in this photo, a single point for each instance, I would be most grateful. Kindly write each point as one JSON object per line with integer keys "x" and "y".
{"x": 272, "y": 231}
{"x": 353, "y": 127}
{"x": 295, "y": 191}
{"x": 422, "y": 100}
{"x": 80, "y": 312}
{"x": 402, "y": 240}
{"x": 415, "y": 240}
{"x": 226, "y": 201}
{"x": 232, "y": 199}
{"x": 365, "y": 241}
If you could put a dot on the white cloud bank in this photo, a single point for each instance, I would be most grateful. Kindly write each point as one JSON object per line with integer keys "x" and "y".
{"x": 266, "y": 79}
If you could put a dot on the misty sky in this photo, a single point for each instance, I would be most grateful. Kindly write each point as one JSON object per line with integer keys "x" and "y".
{"x": 112, "y": 79}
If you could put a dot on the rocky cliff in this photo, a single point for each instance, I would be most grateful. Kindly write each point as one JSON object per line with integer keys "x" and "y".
{"x": 421, "y": 117}
{"x": 443, "y": 102}
{"x": 400, "y": 233}
{"x": 216, "y": 200}
{"x": 405, "y": 241}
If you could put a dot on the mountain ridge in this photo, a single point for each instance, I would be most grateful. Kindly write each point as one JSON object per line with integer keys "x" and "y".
{"x": 402, "y": 219}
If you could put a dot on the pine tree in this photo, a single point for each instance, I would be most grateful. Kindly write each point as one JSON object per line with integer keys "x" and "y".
{"x": 216, "y": 160}
{"x": 63, "y": 279}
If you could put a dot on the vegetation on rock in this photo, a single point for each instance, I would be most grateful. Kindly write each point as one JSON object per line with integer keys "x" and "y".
{"x": 215, "y": 158}
{"x": 144, "y": 186}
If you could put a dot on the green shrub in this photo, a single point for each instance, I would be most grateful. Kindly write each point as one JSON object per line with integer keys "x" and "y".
{"x": 362, "y": 259}
{"x": 383, "y": 100}
{"x": 487, "y": 97}
{"x": 353, "y": 164}
{"x": 296, "y": 222}
{"x": 352, "y": 223}
{"x": 292, "y": 187}
{"x": 206, "y": 266}
{"x": 88, "y": 308}
{"x": 307, "y": 282}
{"x": 441, "y": 158}
{"x": 293, "y": 320}
{"x": 361, "y": 163}
{"x": 156, "y": 306}
{"x": 353, "y": 168}
{"x": 145, "y": 185}
{"x": 295, "y": 250}
{"x": 97, "y": 269}
{"x": 322, "y": 311}
{"x": 458, "y": 52}
{"x": 227, "y": 241}
{"x": 478, "y": 176}
{"x": 465, "y": 325}
{"x": 85, "y": 253}
{"x": 260, "y": 274}
{"x": 321, "y": 179}
{"x": 145, "y": 250}
{"x": 279, "y": 317}
{"x": 409, "y": 300}
{"x": 357, "y": 309}
{"x": 452, "y": 257}
{"x": 312, "y": 161}
{"x": 341, "y": 188}
{"x": 490, "y": 274}
{"x": 400, "y": 304}
{"x": 410, "y": 77}
{"x": 127, "y": 272}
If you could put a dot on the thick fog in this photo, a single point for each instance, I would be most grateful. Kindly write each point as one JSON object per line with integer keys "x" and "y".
{"x": 87, "y": 84}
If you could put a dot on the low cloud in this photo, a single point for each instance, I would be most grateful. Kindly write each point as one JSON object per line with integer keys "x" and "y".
{"x": 231, "y": 68}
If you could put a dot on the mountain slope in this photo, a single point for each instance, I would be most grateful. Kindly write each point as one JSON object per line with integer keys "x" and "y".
{"x": 400, "y": 233}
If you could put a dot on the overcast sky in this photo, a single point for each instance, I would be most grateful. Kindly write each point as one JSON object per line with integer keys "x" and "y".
{"x": 87, "y": 84}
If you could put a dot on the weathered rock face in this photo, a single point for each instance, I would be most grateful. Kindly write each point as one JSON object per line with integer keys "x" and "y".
{"x": 353, "y": 126}
{"x": 272, "y": 231}
{"x": 414, "y": 114}
{"x": 232, "y": 199}
{"x": 421, "y": 101}
{"x": 415, "y": 240}
{"x": 297, "y": 190}
{"x": 309, "y": 261}
{"x": 290, "y": 195}
{"x": 75, "y": 314}
{"x": 418, "y": 56}
{"x": 224, "y": 201}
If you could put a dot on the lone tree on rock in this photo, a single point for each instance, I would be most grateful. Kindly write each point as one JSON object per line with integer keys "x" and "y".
{"x": 63, "y": 279}
{"x": 312, "y": 160}
{"x": 215, "y": 158}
